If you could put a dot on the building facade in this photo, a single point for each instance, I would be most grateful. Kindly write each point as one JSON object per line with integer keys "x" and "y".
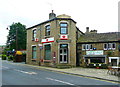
{"x": 53, "y": 42}
{"x": 2, "y": 47}
{"x": 99, "y": 48}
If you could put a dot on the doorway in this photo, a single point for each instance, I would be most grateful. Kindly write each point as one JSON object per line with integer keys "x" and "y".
{"x": 114, "y": 62}
{"x": 63, "y": 53}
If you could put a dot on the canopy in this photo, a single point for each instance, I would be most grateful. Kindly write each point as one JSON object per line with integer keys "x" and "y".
{"x": 18, "y": 53}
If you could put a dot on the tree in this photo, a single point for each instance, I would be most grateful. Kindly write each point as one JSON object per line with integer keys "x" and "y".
{"x": 17, "y": 36}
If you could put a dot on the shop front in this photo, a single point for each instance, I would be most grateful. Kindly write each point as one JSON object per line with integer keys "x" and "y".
{"x": 94, "y": 57}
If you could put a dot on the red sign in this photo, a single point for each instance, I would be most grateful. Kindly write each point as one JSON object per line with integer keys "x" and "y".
{"x": 36, "y": 40}
{"x": 48, "y": 40}
{"x": 63, "y": 37}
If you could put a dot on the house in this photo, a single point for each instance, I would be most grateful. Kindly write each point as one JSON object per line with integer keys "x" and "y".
{"x": 2, "y": 47}
{"x": 101, "y": 48}
{"x": 53, "y": 42}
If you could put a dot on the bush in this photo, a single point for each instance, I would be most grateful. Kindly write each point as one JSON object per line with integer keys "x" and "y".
{"x": 11, "y": 57}
{"x": 104, "y": 66}
{"x": 4, "y": 57}
{"x": 63, "y": 66}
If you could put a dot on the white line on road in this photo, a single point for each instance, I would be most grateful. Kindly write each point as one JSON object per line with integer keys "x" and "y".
{"x": 31, "y": 73}
{"x": 5, "y": 67}
{"x": 60, "y": 81}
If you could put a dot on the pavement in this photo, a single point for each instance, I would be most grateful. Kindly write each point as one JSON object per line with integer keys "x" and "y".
{"x": 84, "y": 72}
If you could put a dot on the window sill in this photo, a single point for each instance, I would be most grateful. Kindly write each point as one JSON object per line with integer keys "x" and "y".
{"x": 47, "y": 61}
{"x": 33, "y": 59}
{"x": 64, "y": 62}
{"x": 47, "y": 36}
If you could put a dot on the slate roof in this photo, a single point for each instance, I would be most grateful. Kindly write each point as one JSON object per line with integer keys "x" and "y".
{"x": 100, "y": 37}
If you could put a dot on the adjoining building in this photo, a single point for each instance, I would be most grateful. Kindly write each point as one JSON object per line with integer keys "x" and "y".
{"x": 2, "y": 47}
{"x": 102, "y": 48}
{"x": 53, "y": 42}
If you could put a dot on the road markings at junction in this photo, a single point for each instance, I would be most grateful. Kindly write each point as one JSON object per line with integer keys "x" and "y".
{"x": 60, "y": 81}
{"x": 31, "y": 73}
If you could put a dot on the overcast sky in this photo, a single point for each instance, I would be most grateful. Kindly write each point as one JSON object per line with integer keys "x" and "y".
{"x": 101, "y": 15}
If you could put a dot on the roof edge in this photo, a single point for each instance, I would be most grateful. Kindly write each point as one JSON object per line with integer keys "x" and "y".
{"x": 51, "y": 20}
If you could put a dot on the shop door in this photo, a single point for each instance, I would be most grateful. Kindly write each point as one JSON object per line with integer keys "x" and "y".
{"x": 114, "y": 62}
{"x": 63, "y": 54}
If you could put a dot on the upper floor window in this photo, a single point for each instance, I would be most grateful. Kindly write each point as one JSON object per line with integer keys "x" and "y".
{"x": 109, "y": 46}
{"x": 47, "y": 30}
{"x": 63, "y": 28}
{"x": 87, "y": 47}
{"x": 34, "y": 34}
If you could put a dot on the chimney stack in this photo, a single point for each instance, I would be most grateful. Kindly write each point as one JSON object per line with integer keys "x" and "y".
{"x": 87, "y": 30}
{"x": 52, "y": 15}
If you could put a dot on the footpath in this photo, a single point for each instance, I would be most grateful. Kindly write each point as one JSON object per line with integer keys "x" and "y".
{"x": 79, "y": 71}
{"x": 84, "y": 72}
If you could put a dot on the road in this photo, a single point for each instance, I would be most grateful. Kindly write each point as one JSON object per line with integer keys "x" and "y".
{"x": 19, "y": 74}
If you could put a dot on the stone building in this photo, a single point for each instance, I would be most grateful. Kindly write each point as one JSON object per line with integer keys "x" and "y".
{"x": 53, "y": 42}
{"x": 101, "y": 48}
{"x": 2, "y": 47}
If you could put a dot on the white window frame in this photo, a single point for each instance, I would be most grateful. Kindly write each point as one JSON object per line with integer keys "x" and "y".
{"x": 112, "y": 46}
{"x": 109, "y": 46}
{"x": 35, "y": 29}
{"x": 87, "y": 47}
{"x": 106, "y": 46}
{"x": 83, "y": 45}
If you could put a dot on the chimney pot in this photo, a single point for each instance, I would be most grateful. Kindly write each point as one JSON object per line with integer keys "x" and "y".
{"x": 52, "y": 15}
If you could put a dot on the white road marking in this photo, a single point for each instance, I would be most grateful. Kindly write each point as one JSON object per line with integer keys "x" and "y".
{"x": 60, "y": 81}
{"x": 5, "y": 67}
{"x": 31, "y": 73}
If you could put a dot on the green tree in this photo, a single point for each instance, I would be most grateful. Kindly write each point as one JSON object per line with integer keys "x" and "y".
{"x": 17, "y": 36}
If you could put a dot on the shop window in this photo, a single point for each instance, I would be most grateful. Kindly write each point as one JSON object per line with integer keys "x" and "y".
{"x": 48, "y": 52}
{"x": 34, "y": 56}
{"x": 63, "y": 53}
{"x": 47, "y": 30}
{"x": 34, "y": 34}
{"x": 63, "y": 28}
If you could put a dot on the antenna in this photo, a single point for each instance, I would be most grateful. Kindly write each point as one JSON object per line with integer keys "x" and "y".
{"x": 51, "y": 5}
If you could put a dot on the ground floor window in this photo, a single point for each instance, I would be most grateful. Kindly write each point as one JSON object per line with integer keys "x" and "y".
{"x": 48, "y": 52}
{"x": 95, "y": 59}
{"x": 34, "y": 53}
{"x": 63, "y": 53}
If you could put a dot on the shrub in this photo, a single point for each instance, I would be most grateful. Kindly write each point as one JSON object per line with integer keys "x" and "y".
{"x": 4, "y": 57}
{"x": 104, "y": 66}
{"x": 11, "y": 57}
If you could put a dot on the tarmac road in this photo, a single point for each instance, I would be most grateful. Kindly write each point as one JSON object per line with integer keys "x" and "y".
{"x": 14, "y": 75}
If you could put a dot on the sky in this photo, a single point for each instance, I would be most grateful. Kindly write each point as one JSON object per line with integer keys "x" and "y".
{"x": 101, "y": 15}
